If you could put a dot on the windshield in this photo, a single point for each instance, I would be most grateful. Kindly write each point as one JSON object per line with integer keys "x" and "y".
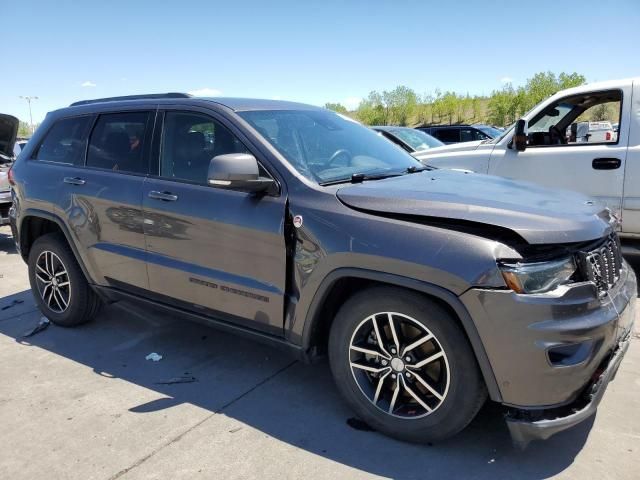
{"x": 492, "y": 132}
{"x": 416, "y": 139}
{"x": 550, "y": 118}
{"x": 324, "y": 147}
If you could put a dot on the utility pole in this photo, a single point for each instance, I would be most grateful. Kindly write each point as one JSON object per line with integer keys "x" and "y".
{"x": 28, "y": 99}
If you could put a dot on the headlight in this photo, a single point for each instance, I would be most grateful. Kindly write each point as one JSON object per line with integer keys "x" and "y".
{"x": 538, "y": 277}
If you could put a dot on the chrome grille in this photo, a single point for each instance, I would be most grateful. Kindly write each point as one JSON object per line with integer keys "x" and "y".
{"x": 602, "y": 266}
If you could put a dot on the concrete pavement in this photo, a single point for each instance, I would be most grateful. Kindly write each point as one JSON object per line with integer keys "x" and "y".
{"x": 84, "y": 403}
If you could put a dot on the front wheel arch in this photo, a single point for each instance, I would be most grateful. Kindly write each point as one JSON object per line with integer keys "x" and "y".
{"x": 336, "y": 287}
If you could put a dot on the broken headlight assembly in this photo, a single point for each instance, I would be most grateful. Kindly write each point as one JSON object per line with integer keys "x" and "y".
{"x": 538, "y": 277}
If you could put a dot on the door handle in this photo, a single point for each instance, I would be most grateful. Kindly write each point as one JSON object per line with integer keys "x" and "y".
{"x": 606, "y": 163}
{"x": 74, "y": 180}
{"x": 165, "y": 196}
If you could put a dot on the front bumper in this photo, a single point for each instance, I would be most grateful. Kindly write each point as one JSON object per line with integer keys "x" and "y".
{"x": 523, "y": 430}
{"x": 553, "y": 354}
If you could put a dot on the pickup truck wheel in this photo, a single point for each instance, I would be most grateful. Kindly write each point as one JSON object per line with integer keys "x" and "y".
{"x": 58, "y": 284}
{"x": 404, "y": 365}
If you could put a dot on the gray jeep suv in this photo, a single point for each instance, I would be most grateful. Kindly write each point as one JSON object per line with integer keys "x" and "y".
{"x": 428, "y": 290}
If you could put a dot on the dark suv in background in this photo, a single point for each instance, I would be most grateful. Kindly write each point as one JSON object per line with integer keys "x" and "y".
{"x": 428, "y": 290}
{"x": 461, "y": 133}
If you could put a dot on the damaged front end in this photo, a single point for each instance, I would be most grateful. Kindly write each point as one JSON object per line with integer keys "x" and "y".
{"x": 555, "y": 353}
{"x": 528, "y": 425}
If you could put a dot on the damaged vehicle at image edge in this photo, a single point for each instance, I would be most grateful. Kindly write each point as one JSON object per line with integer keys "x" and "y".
{"x": 428, "y": 290}
{"x": 8, "y": 132}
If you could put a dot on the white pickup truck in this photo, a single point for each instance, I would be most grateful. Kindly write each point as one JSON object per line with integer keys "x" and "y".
{"x": 540, "y": 148}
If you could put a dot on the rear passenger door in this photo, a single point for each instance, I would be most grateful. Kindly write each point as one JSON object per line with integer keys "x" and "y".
{"x": 101, "y": 198}
{"x": 212, "y": 251}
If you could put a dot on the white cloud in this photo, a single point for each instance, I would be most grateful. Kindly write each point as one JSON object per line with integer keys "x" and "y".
{"x": 88, "y": 83}
{"x": 205, "y": 92}
{"x": 506, "y": 80}
{"x": 351, "y": 103}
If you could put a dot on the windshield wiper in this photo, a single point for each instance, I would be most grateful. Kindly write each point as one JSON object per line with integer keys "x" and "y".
{"x": 361, "y": 177}
{"x": 414, "y": 169}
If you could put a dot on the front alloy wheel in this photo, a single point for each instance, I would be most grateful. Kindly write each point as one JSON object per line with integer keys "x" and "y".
{"x": 399, "y": 365}
{"x": 403, "y": 363}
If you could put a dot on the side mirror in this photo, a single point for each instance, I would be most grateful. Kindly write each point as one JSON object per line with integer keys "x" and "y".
{"x": 519, "y": 141}
{"x": 238, "y": 171}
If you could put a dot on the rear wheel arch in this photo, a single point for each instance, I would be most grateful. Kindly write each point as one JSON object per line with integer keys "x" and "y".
{"x": 340, "y": 284}
{"x": 35, "y": 224}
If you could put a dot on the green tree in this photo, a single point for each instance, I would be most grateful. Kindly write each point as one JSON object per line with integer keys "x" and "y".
{"x": 475, "y": 108}
{"x": 400, "y": 104}
{"x": 449, "y": 103}
{"x": 599, "y": 113}
{"x": 336, "y": 107}
{"x": 24, "y": 130}
{"x": 371, "y": 110}
{"x": 569, "y": 80}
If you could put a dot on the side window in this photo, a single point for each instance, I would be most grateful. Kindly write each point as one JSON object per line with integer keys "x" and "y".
{"x": 582, "y": 119}
{"x": 190, "y": 141}
{"x": 451, "y": 135}
{"x": 117, "y": 142}
{"x": 64, "y": 142}
{"x": 471, "y": 134}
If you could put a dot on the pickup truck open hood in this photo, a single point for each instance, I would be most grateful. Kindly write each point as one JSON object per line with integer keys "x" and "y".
{"x": 536, "y": 214}
{"x": 8, "y": 132}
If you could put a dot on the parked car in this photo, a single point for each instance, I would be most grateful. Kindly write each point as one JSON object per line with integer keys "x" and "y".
{"x": 427, "y": 289}
{"x": 8, "y": 132}
{"x": 606, "y": 169}
{"x": 460, "y": 133}
{"x": 590, "y": 132}
{"x": 410, "y": 139}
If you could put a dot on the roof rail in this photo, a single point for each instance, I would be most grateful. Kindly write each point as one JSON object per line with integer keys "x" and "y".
{"x": 132, "y": 97}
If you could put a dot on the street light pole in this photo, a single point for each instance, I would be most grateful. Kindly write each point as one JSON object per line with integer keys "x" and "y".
{"x": 28, "y": 99}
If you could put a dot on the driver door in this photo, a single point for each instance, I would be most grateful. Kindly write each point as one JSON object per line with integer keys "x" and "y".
{"x": 212, "y": 251}
{"x": 593, "y": 168}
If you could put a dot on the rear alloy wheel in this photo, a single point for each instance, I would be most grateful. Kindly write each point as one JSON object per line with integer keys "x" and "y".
{"x": 52, "y": 280}
{"x": 58, "y": 284}
{"x": 404, "y": 365}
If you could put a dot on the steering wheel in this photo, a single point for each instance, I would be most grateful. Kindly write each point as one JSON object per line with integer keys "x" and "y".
{"x": 338, "y": 153}
{"x": 556, "y": 132}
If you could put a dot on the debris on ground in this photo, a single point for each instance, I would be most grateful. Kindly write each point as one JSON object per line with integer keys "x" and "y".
{"x": 43, "y": 324}
{"x": 358, "y": 424}
{"x": 13, "y": 303}
{"x": 171, "y": 381}
{"x": 234, "y": 430}
{"x": 154, "y": 357}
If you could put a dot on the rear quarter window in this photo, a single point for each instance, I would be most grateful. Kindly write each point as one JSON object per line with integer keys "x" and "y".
{"x": 65, "y": 141}
{"x": 447, "y": 134}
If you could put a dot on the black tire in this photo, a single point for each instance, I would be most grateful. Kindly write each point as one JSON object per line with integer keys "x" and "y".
{"x": 82, "y": 302}
{"x": 465, "y": 391}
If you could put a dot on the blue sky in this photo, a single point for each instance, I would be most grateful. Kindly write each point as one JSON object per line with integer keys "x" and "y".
{"x": 306, "y": 51}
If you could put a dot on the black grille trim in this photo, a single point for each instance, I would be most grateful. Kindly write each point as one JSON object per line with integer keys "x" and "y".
{"x": 603, "y": 264}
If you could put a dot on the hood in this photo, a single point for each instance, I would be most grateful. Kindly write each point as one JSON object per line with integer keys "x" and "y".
{"x": 453, "y": 147}
{"x": 536, "y": 214}
{"x": 8, "y": 132}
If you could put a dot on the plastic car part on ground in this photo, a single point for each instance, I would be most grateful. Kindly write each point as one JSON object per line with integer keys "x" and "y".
{"x": 43, "y": 324}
